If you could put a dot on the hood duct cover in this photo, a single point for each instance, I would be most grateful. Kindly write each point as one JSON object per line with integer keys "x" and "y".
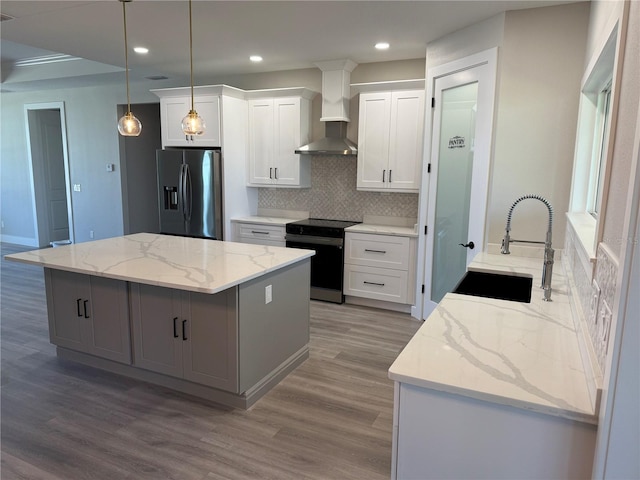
{"x": 336, "y": 79}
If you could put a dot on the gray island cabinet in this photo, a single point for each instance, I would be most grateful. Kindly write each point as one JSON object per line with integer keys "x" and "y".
{"x": 219, "y": 320}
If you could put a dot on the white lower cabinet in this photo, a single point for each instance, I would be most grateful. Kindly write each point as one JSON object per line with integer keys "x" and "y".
{"x": 186, "y": 335}
{"x": 89, "y": 314}
{"x": 440, "y": 435}
{"x": 259, "y": 234}
{"x": 379, "y": 267}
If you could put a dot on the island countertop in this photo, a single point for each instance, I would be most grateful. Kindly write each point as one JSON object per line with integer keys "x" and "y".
{"x": 183, "y": 263}
{"x": 524, "y": 355}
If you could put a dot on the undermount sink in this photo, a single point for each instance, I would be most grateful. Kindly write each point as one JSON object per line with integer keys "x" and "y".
{"x": 493, "y": 285}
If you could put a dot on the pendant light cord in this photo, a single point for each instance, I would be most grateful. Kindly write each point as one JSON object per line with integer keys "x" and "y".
{"x": 126, "y": 54}
{"x": 191, "y": 54}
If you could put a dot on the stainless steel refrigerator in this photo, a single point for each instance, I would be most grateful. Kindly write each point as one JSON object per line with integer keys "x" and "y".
{"x": 190, "y": 192}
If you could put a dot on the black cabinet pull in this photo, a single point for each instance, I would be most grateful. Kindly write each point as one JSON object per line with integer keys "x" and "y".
{"x": 86, "y": 315}
{"x": 276, "y": 172}
{"x": 390, "y": 176}
{"x": 270, "y": 172}
{"x": 374, "y": 251}
{"x": 258, "y": 231}
{"x": 78, "y": 306}
{"x": 184, "y": 329}
{"x": 374, "y": 283}
{"x": 383, "y": 175}
{"x": 175, "y": 327}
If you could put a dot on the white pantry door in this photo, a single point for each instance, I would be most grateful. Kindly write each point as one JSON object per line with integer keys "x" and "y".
{"x": 462, "y": 118}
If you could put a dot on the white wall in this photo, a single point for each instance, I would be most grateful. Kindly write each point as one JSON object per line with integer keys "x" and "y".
{"x": 541, "y": 65}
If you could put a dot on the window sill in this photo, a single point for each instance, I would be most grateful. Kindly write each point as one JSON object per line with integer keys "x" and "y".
{"x": 584, "y": 226}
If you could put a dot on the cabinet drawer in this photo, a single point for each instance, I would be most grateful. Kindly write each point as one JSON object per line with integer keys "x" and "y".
{"x": 386, "y": 251}
{"x": 376, "y": 283}
{"x": 246, "y": 232}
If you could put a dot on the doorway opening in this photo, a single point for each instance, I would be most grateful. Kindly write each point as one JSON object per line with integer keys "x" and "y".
{"x": 50, "y": 176}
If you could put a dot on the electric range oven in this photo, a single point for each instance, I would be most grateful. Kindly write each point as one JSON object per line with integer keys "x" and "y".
{"x": 326, "y": 237}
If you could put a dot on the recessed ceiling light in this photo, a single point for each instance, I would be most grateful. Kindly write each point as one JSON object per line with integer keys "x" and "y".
{"x": 141, "y": 50}
{"x": 382, "y": 45}
{"x": 255, "y": 58}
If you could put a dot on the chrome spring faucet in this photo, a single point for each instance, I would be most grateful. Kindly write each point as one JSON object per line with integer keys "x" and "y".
{"x": 547, "y": 267}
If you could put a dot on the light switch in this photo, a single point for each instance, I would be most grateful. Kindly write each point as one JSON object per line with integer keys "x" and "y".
{"x": 77, "y": 187}
{"x": 268, "y": 294}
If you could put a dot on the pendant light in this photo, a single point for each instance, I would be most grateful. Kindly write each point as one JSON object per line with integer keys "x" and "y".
{"x": 192, "y": 123}
{"x": 128, "y": 125}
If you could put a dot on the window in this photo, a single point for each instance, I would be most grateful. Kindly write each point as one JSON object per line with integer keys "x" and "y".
{"x": 599, "y": 152}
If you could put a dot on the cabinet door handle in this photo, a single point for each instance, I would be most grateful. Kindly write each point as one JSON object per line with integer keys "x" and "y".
{"x": 175, "y": 327}
{"x": 374, "y": 251}
{"x": 383, "y": 175}
{"x": 270, "y": 172}
{"x": 389, "y": 176}
{"x": 373, "y": 283}
{"x": 86, "y": 315}
{"x": 258, "y": 231}
{"x": 276, "y": 172}
{"x": 184, "y": 329}
{"x": 78, "y": 306}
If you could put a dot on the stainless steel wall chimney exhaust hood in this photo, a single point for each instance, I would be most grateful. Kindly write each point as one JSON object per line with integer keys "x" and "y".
{"x": 336, "y": 77}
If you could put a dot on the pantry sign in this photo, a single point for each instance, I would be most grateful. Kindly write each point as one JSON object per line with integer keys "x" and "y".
{"x": 456, "y": 142}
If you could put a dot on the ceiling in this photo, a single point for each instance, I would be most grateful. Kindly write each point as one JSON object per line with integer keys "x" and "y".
{"x": 288, "y": 35}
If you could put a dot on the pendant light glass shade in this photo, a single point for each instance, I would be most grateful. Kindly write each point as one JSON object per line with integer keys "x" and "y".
{"x": 128, "y": 125}
{"x": 192, "y": 123}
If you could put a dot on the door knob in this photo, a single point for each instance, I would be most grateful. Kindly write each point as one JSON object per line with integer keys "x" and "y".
{"x": 469, "y": 245}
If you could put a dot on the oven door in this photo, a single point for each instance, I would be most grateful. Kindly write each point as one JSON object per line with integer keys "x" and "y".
{"x": 326, "y": 265}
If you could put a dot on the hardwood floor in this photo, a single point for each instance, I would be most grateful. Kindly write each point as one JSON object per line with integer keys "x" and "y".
{"x": 329, "y": 419}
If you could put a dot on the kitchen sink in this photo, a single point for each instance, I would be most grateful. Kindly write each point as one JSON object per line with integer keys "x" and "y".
{"x": 494, "y": 285}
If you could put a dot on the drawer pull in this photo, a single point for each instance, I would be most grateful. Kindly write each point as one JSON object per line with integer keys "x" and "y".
{"x": 258, "y": 231}
{"x": 373, "y": 283}
{"x": 374, "y": 251}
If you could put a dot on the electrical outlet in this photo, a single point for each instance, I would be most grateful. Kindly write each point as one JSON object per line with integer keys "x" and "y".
{"x": 90, "y": 233}
{"x": 77, "y": 187}
{"x": 268, "y": 294}
{"x": 109, "y": 167}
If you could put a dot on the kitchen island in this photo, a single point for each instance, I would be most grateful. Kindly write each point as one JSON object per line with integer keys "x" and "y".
{"x": 219, "y": 320}
{"x": 495, "y": 389}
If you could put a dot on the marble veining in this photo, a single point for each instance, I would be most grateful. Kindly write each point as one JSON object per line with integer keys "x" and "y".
{"x": 510, "y": 353}
{"x": 260, "y": 220}
{"x": 183, "y": 263}
{"x": 382, "y": 230}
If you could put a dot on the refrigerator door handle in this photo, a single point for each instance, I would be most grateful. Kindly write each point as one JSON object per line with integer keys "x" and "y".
{"x": 188, "y": 193}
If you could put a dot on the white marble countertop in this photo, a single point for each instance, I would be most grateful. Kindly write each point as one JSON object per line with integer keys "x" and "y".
{"x": 524, "y": 355}
{"x": 183, "y": 263}
{"x": 265, "y": 220}
{"x": 382, "y": 230}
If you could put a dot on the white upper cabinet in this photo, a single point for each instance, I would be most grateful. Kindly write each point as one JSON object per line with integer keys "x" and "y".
{"x": 277, "y": 126}
{"x": 390, "y": 135}
{"x": 174, "y": 109}
{"x": 175, "y": 104}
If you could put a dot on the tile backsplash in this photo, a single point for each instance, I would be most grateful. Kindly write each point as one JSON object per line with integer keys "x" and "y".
{"x": 594, "y": 290}
{"x": 333, "y": 194}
